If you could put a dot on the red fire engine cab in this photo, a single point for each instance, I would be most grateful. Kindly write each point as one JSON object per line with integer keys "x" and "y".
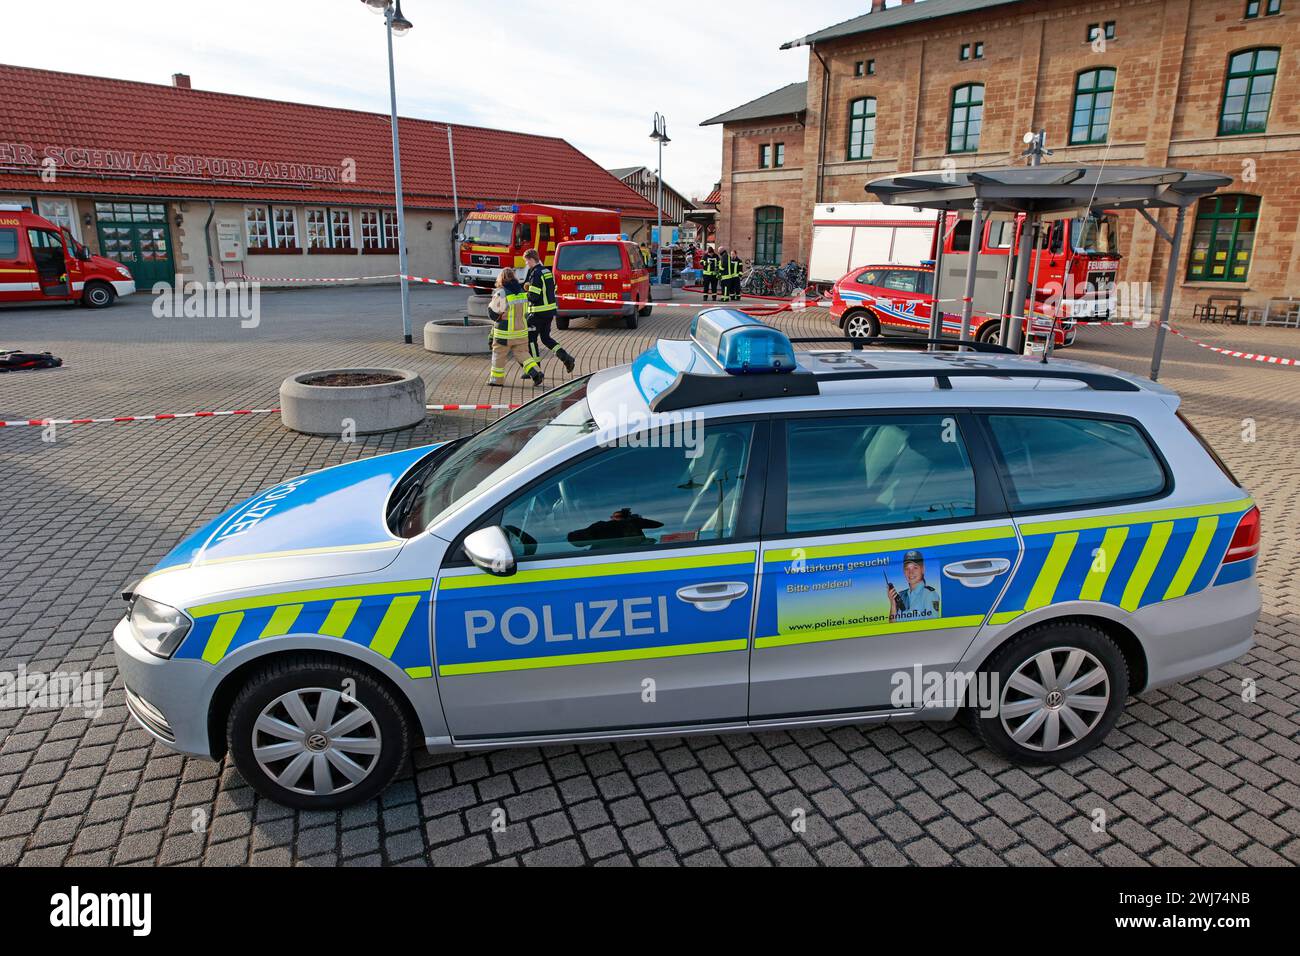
{"x": 41, "y": 262}
{"x": 494, "y": 238}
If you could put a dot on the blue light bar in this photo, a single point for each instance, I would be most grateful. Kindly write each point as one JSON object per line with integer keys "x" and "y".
{"x": 740, "y": 344}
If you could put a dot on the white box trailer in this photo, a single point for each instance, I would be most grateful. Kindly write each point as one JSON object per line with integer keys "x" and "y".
{"x": 847, "y": 235}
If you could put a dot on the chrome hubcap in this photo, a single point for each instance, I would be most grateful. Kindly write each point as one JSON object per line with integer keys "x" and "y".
{"x": 1054, "y": 699}
{"x": 316, "y": 741}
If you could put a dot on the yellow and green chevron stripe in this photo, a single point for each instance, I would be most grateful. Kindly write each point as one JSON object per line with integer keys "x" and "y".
{"x": 1127, "y": 560}
{"x": 391, "y": 619}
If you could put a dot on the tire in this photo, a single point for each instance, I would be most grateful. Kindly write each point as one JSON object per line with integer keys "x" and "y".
{"x": 860, "y": 324}
{"x": 561, "y": 322}
{"x": 988, "y": 332}
{"x": 377, "y": 746}
{"x": 645, "y": 310}
{"x": 630, "y": 321}
{"x": 98, "y": 295}
{"x": 1095, "y": 709}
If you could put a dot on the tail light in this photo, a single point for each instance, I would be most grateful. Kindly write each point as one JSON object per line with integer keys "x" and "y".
{"x": 1245, "y": 540}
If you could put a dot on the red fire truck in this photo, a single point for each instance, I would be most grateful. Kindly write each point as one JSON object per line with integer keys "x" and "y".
{"x": 493, "y": 238}
{"x": 41, "y": 262}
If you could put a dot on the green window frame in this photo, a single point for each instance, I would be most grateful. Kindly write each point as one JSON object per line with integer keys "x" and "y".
{"x": 769, "y": 227}
{"x": 764, "y": 156}
{"x": 1248, "y": 91}
{"x": 1223, "y": 238}
{"x": 1094, "y": 92}
{"x": 1266, "y": 8}
{"x": 862, "y": 128}
{"x": 779, "y": 153}
{"x": 965, "y": 118}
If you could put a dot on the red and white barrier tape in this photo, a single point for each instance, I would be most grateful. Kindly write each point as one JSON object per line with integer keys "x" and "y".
{"x": 470, "y": 408}
{"x": 166, "y": 416}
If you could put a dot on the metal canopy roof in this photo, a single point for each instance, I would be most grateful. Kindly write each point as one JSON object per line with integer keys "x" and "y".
{"x": 1053, "y": 188}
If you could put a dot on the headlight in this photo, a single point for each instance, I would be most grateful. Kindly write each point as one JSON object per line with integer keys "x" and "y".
{"x": 124, "y": 272}
{"x": 159, "y": 628}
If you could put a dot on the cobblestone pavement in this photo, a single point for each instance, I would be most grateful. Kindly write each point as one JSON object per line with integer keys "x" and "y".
{"x": 1192, "y": 774}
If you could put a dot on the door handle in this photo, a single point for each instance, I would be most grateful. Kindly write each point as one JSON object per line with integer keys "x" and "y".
{"x": 977, "y": 572}
{"x": 713, "y": 597}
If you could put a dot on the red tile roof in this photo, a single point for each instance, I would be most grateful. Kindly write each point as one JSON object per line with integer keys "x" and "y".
{"x": 714, "y": 198}
{"x": 222, "y": 146}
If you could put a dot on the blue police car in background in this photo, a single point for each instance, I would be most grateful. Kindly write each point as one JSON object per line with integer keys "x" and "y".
{"x": 722, "y": 536}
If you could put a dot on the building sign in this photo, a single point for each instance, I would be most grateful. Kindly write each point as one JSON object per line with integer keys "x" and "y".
{"x": 163, "y": 165}
{"x": 230, "y": 240}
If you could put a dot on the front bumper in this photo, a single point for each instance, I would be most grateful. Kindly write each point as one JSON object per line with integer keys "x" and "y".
{"x": 124, "y": 287}
{"x": 168, "y": 698}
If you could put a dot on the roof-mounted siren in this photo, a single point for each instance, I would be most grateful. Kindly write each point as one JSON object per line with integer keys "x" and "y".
{"x": 740, "y": 344}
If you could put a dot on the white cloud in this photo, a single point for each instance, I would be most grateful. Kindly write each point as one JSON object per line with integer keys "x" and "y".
{"x": 592, "y": 73}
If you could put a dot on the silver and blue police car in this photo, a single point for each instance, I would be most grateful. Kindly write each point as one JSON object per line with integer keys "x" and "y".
{"x": 722, "y": 536}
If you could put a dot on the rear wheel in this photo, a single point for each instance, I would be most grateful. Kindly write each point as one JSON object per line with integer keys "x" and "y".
{"x": 1060, "y": 688}
{"x": 98, "y": 295}
{"x": 630, "y": 321}
{"x": 316, "y": 734}
{"x": 861, "y": 324}
{"x": 561, "y": 322}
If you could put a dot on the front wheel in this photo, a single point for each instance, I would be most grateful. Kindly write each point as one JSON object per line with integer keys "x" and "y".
{"x": 561, "y": 322}
{"x": 645, "y": 310}
{"x": 316, "y": 734}
{"x": 861, "y": 324}
{"x": 98, "y": 295}
{"x": 989, "y": 332}
{"x": 1059, "y": 689}
{"x": 630, "y": 321}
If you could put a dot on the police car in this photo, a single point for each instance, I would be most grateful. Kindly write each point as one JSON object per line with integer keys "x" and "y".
{"x": 722, "y": 536}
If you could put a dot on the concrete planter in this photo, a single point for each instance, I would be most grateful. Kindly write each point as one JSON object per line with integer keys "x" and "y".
{"x": 659, "y": 292}
{"x": 477, "y": 306}
{"x": 458, "y": 336}
{"x": 372, "y": 409}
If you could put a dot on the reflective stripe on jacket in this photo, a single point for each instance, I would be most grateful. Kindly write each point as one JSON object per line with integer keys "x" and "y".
{"x": 540, "y": 286}
{"x": 513, "y": 323}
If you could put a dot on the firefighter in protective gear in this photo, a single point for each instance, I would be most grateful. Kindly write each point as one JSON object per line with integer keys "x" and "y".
{"x": 724, "y": 274}
{"x": 732, "y": 283}
{"x": 509, "y": 311}
{"x": 540, "y": 286}
{"x": 709, "y": 268}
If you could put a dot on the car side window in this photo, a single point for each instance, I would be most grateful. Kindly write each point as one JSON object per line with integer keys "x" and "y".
{"x": 902, "y": 281}
{"x": 8, "y": 243}
{"x": 871, "y": 277}
{"x": 627, "y": 498}
{"x": 1050, "y": 462}
{"x": 861, "y": 471}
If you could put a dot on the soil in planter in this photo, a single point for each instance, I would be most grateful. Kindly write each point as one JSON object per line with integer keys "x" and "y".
{"x": 343, "y": 379}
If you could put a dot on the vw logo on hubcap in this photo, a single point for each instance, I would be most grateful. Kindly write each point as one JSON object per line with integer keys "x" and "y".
{"x": 317, "y": 742}
{"x": 1054, "y": 699}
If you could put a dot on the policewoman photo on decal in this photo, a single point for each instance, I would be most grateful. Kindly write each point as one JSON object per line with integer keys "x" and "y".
{"x": 918, "y": 600}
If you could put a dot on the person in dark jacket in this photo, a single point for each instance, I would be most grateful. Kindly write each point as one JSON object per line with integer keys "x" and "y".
{"x": 540, "y": 286}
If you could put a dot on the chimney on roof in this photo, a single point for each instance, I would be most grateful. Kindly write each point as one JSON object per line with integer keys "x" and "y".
{"x": 877, "y": 5}
{"x": 181, "y": 81}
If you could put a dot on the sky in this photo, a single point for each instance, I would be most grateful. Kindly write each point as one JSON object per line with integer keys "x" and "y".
{"x": 592, "y": 73}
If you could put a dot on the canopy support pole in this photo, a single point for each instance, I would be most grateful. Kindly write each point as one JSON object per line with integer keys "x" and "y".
{"x": 976, "y": 241}
{"x": 1014, "y": 338}
{"x": 1171, "y": 275}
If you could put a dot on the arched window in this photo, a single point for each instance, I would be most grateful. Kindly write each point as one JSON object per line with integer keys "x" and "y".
{"x": 1224, "y": 238}
{"x": 862, "y": 128}
{"x": 966, "y": 118}
{"x": 1093, "y": 91}
{"x": 769, "y": 224}
{"x": 1248, "y": 91}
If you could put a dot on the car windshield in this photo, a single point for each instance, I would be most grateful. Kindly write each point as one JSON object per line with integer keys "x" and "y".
{"x": 491, "y": 456}
{"x": 1095, "y": 234}
{"x": 489, "y": 232}
{"x": 603, "y": 257}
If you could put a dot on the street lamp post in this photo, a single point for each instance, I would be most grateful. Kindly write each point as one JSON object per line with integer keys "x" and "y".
{"x": 399, "y": 25}
{"x": 660, "y": 134}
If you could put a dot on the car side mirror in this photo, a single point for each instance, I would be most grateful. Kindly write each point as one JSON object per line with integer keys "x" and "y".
{"x": 489, "y": 549}
{"x": 83, "y": 254}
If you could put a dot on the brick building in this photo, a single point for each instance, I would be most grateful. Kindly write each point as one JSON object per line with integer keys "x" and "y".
{"x": 1189, "y": 83}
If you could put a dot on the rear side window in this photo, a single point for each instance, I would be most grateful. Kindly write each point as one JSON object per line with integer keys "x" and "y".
{"x": 595, "y": 257}
{"x": 1196, "y": 433}
{"x": 8, "y": 243}
{"x": 1050, "y": 462}
{"x": 863, "y": 471}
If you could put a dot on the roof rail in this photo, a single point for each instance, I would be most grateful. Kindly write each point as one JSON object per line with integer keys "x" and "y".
{"x": 901, "y": 341}
{"x": 1100, "y": 381}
